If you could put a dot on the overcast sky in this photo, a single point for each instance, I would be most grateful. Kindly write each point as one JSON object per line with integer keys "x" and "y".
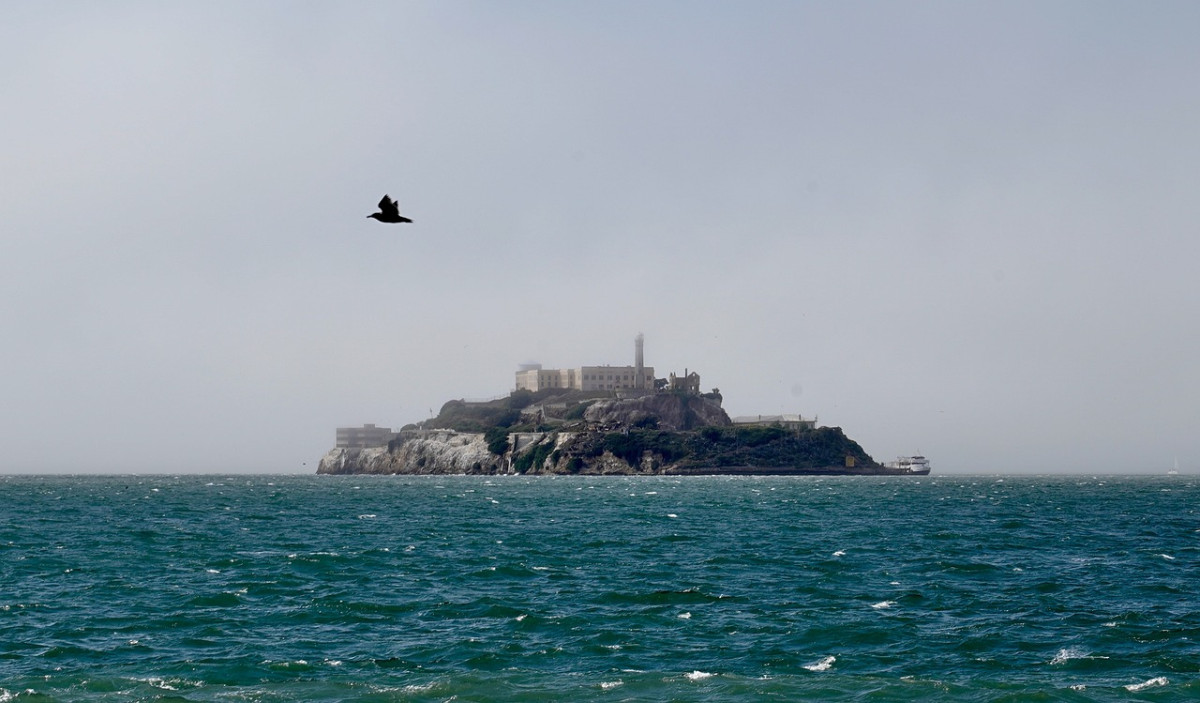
{"x": 964, "y": 229}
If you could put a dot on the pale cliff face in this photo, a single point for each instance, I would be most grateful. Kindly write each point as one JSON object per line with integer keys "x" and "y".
{"x": 444, "y": 453}
{"x": 466, "y": 453}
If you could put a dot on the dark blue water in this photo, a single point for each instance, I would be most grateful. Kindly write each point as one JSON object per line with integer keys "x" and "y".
{"x": 328, "y": 588}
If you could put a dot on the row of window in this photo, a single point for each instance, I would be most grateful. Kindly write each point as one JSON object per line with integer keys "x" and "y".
{"x": 556, "y": 380}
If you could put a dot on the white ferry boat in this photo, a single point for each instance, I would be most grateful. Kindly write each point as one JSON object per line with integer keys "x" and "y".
{"x": 916, "y": 464}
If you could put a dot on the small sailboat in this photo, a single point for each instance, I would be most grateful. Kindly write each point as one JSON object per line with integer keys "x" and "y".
{"x": 1174, "y": 471}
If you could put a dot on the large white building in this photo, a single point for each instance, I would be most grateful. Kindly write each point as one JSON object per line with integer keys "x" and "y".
{"x": 533, "y": 377}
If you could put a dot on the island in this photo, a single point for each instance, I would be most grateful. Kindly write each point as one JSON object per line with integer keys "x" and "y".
{"x": 597, "y": 420}
{"x": 554, "y": 431}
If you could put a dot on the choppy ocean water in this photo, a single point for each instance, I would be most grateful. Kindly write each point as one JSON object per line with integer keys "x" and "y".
{"x": 360, "y": 588}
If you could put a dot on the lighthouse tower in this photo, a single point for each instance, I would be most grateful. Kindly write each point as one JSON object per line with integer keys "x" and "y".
{"x": 639, "y": 378}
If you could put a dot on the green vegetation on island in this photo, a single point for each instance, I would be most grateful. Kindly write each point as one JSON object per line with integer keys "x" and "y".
{"x": 506, "y": 412}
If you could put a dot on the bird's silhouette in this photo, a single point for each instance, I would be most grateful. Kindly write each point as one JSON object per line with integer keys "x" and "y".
{"x": 389, "y": 211}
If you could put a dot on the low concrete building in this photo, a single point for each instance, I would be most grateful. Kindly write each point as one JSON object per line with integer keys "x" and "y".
{"x": 363, "y": 437}
{"x": 791, "y": 422}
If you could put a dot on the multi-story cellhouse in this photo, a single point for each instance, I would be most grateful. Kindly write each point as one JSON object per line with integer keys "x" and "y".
{"x": 533, "y": 377}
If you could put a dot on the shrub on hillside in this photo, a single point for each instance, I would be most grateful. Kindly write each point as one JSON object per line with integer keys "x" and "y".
{"x": 497, "y": 440}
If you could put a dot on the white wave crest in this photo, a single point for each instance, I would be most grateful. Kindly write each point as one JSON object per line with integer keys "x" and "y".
{"x": 1156, "y": 681}
{"x": 698, "y": 676}
{"x": 821, "y": 664}
{"x": 1066, "y": 654}
{"x": 883, "y": 604}
{"x": 162, "y": 683}
{"x": 419, "y": 687}
{"x": 606, "y": 685}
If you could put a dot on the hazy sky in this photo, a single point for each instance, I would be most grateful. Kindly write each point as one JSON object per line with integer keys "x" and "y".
{"x": 965, "y": 229}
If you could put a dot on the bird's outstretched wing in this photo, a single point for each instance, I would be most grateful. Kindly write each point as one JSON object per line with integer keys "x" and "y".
{"x": 389, "y": 207}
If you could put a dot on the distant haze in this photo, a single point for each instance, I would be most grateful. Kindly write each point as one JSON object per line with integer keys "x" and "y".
{"x": 966, "y": 229}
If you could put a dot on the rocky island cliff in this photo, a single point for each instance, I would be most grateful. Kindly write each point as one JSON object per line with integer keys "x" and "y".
{"x": 595, "y": 433}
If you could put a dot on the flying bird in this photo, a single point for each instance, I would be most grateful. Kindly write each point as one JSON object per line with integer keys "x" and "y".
{"x": 389, "y": 211}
